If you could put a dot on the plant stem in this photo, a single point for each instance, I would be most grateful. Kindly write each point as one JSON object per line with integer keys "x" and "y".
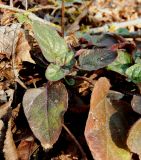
{"x": 76, "y": 142}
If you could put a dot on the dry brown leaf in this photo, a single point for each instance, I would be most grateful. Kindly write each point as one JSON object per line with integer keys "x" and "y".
{"x": 7, "y": 17}
{"x": 1, "y": 125}
{"x": 2, "y": 134}
{"x": 5, "y": 107}
{"x": 13, "y": 41}
{"x": 9, "y": 38}
{"x": 23, "y": 49}
{"x": 10, "y": 152}
{"x": 105, "y": 131}
{"x": 25, "y": 148}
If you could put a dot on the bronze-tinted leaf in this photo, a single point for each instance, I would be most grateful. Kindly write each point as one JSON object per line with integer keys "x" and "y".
{"x": 96, "y": 58}
{"x": 105, "y": 131}
{"x": 134, "y": 138}
{"x": 44, "y": 108}
{"x": 53, "y": 46}
{"x": 108, "y": 39}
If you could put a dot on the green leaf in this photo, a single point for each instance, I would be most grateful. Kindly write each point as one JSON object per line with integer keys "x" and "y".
{"x": 121, "y": 63}
{"x": 44, "y": 109}
{"x": 123, "y": 31}
{"x": 134, "y": 138}
{"x": 70, "y": 81}
{"x": 137, "y": 56}
{"x": 134, "y": 73}
{"x": 52, "y": 45}
{"x": 55, "y": 72}
{"x": 96, "y": 58}
{"x": 22, "y": 18}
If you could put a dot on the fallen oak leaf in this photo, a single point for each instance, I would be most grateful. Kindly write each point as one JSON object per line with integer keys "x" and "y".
{"x": 104, "y": 126}
{"x": 44, "y": 108}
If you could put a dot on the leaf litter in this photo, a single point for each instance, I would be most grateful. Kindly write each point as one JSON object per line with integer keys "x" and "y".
{"x": 70, "y": 80}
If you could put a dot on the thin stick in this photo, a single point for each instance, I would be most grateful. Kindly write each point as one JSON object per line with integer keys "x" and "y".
{"x": 76, "y": 141}
{"x": 84, "y": 78}
{"x": 106, "y": 27}
{"x": 75, "y": 26}
{"x": 35, "y": 9}
{"x": 26, "y": 5}
{"x": 62, "y": 18}
{"x": 30, "y": 16}
{"x": 11, "y": 3}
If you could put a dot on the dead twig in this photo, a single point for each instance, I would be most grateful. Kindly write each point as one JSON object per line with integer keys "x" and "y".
{"x": 75, "y": 26}
{"x": 62, "y": 18}
{"x": 117, "y": 25}
{"x": 76, "y": 142}
{"x": 30, "y": 16}
{"x": 11, "y": 3}
{"x": 35, "y": 9}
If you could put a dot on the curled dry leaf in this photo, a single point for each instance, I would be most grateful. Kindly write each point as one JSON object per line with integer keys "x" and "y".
{"x": 44, "y": 108}
{"x": 104, "y": 131}
{"x": 134, "y": 138}
{"x": 10, "y": 152}
{"x": 23, "y": 49}
{"x": 25, "y": 148}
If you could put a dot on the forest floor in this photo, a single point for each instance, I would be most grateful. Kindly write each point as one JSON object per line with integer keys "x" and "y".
{"x": 70, "y": 79}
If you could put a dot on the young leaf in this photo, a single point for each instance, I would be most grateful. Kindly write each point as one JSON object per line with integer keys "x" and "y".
{"x": 123, "y": 31}
{"x": 134, "y": 138}
{"x": 105, "y": 131}
{"x": 52, "y": 45}
{"x": 44, "y": 109}
{"x": 22, "y": 18}
{"x": 54, "y": 72}
{"x": 96, "y": 58}
{"x": 134, "y": 73}
{"x": 121, "y": 63}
